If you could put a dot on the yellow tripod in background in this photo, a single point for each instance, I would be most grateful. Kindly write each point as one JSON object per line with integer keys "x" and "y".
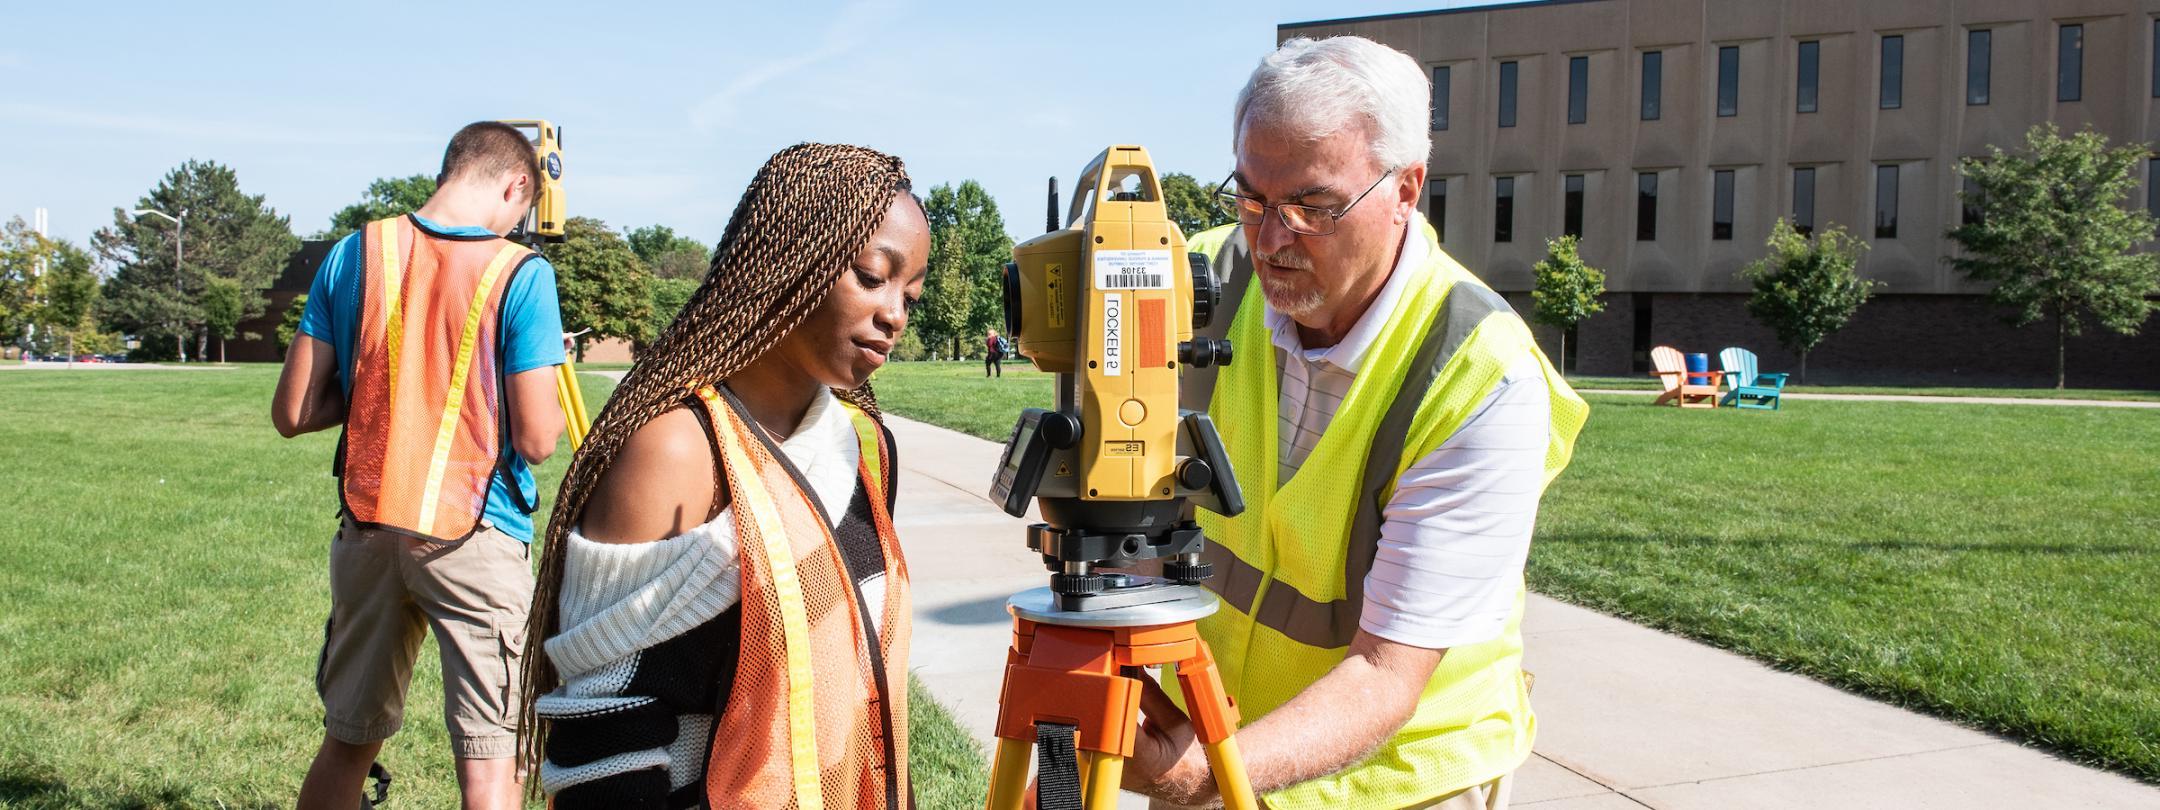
{"x": 571, "y": 399}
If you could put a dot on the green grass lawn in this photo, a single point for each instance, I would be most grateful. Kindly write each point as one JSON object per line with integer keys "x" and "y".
{"x": 1995, "y": 564}
{"x": 1649, "y": 383}
{"x": 955, "y": 394}
{"x": 163, "y": 572}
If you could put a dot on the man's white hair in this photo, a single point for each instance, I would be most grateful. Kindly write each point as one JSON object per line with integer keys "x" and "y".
{"x": 1317, "y": 88}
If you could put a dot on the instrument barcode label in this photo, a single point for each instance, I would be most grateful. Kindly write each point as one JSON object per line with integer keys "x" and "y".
{"x": 1132, "y": 269}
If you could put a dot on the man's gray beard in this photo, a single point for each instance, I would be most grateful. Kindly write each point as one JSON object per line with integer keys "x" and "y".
{"x": 1289, "y": 302}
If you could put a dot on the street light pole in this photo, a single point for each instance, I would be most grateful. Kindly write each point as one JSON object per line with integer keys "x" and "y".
{"x": 179, "y": 265}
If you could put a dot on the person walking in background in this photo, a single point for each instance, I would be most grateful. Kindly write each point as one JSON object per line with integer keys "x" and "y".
{"x": 994, "y": 355}
{"x": 434, "y": 341}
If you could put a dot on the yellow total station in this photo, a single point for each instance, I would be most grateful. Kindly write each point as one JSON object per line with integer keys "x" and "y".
{"x": 1108, "y": 303}
{"x": 544, "y": 223}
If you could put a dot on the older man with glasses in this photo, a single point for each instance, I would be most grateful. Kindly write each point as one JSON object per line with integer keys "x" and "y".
{"x": 1393, "y": 448}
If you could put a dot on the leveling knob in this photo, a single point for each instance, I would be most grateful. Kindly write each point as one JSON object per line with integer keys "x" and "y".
{"x": 1195, "y": 474}
{"x": 1185, "y": 573}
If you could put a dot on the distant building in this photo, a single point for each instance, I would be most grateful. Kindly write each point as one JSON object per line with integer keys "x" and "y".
{"x": 291, "y": 283}
{"x": 1670, "y": 134}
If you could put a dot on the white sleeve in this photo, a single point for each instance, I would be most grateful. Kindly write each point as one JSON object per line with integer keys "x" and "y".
{"x": 1456, "y": 533}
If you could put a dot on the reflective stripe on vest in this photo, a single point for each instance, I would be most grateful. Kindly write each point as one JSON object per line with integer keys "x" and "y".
{"x": 425, "y": 427}
{"x": 813, "y": 719}
{"x": 1291, "y": 569}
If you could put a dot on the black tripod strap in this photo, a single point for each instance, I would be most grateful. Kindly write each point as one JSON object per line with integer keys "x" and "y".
{"x": 1057, "y": 768}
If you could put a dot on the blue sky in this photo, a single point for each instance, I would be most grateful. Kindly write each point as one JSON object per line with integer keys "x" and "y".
{"x": 667, "y": 109}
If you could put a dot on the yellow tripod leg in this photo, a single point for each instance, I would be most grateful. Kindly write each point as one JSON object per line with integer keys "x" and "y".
{"x": 577, "y": 400}
{"x": 1103, "y": 775}
{"x": 1009, "y": 774}
{"x": 572, "y": 401}
{"x": 1230, "y": 778}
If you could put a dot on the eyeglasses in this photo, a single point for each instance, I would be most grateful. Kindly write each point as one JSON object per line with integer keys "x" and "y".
{"x": 1310, "y": 220}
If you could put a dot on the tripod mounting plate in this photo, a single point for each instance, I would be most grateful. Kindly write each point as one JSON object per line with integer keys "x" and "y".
{"x": 1040, "y": 605}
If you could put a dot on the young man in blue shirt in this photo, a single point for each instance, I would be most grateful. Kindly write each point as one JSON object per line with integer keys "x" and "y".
{"x": 390, "y": 581}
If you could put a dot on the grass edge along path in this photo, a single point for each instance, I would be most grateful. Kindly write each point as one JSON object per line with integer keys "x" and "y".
{"x": 1974, "y": 562}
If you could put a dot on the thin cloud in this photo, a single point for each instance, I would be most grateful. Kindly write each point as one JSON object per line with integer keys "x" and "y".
{"x": 850, "y": 30}
{"x": 216, "y": 131}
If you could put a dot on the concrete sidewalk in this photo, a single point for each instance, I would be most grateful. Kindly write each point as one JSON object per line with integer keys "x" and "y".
{"x": 1627, "y": 717}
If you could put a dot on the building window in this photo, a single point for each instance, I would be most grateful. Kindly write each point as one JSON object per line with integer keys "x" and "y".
{"x": 1436, "y": 207}
{"x": 1728, "y": 81}
{"x": 1578, "y": 89}
{"x": 1978, "y": 45}
{"x": 1653, "y": 83}
{"x": 1503, "y": 209}
{"x": 1810, "y": 68}
{"x": 2070, "y": 63}
{"x": 1969, "y": 203}
{"x": 1646, "y": 207}
{"x": 1571, "y": 222}
{"x": 2152, "y": 186}
{"x": 1721, "y": 204}
{"x": 1507, "y": 94}
{"x": 1439, "y": 98}
{"x": 1892, "y": 95}
{"x": 1803, "y": 200}
{"x": 1886, "y": 201}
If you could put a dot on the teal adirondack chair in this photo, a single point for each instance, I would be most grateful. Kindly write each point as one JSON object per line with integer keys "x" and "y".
{"x": 1750, "y": 388}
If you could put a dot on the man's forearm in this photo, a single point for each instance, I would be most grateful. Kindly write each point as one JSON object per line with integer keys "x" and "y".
{"x": 1335, "y": 723}
{"x": 308, "y": 397}
{"x": 325, "y": 411}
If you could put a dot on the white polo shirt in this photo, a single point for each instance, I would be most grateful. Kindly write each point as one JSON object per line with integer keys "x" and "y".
{"x": 1456, "y": 533}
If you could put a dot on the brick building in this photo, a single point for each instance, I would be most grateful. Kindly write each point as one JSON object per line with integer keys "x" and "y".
{"x": 1670, "y": 134}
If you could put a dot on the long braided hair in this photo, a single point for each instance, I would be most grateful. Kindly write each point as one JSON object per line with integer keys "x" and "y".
{"x": 806, "y": 214}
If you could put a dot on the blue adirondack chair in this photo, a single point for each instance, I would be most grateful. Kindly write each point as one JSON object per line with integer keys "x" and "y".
{"x": 1750, "y": 388}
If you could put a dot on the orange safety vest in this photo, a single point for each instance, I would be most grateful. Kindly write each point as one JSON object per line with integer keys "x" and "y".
{"x": 425, "y": 423}
{"x": 817, "y": 716}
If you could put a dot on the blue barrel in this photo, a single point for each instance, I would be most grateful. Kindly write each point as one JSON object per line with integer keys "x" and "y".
{"x": 1697, "y": 361}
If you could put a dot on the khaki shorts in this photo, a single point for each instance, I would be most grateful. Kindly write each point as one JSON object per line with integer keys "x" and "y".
{"x": 386, "y": 590}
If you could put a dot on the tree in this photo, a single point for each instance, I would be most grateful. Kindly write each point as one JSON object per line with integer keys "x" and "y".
{"x": 71, "y": 296}
{"x": 2055, "y": 237}
{"x": 48, "y": 292}
{"x": 942, "y": 314}
{"x": 968, "y": 252}
{"x": 288, "y": 328}
{"x": 669, "y": 295}
{"x": 668, "y": 255}
{"x": 385, "y": 198}
{"x": 683, "y": 264}
{"x": 602, "y": 284}
{"x": 225, "y": 304}
{"x": 230, "y": 235}
{"x": 1807, "y": 288}
{"x": 1567, "y": 290}
{"x": 25, "y": 256}
{"x": 1191, "y": 205}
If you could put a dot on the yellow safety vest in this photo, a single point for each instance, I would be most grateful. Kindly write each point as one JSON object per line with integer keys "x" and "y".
{"x": 1291, "y": 568}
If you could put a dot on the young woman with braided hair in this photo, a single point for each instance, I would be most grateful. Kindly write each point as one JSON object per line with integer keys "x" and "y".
{"x": 721, "y": 617}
